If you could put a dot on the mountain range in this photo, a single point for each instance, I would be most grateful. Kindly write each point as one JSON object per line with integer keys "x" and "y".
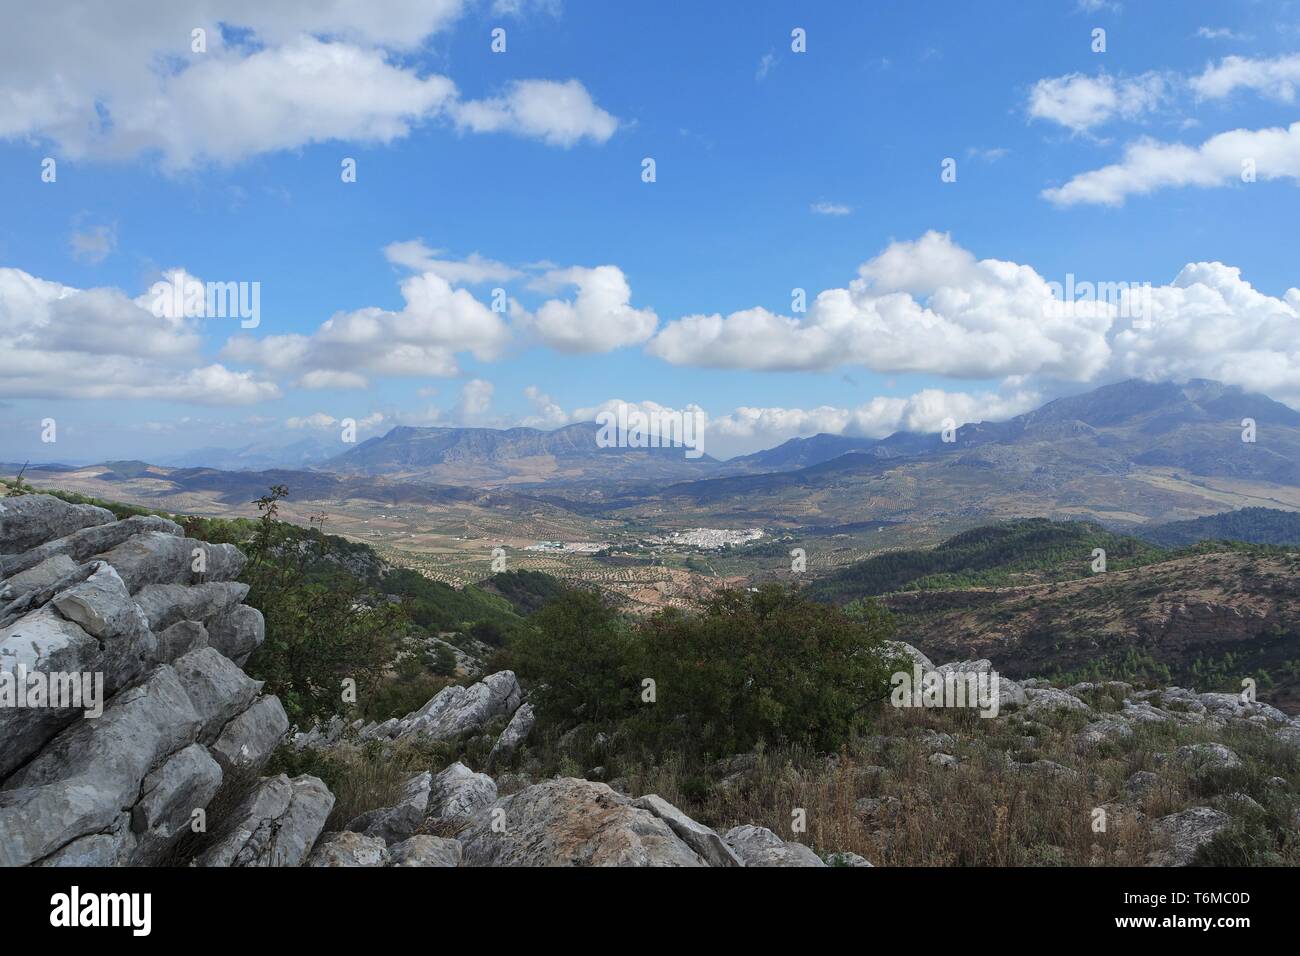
{"x": 1125, "y": 454}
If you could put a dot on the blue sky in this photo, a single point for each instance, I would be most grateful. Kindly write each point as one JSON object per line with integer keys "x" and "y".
{"x": 775, "y": 169}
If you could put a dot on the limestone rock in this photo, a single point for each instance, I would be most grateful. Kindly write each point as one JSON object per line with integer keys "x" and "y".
{"x": 29, "y": 520}
{"x": 394, "y": 824}
{"x": 515, "y": 733}
{"x": 49, "y": 572}
{"x": 1184, "y": 834}
{"x": 80, "y": 782}
{"x": 759, "y": 846}
{"x": 1045, "y": 700}
{"x": 187, "y": 781}
{"x": 707, "y": 844}
{"x": 569, "y": 822}
{"x": 459, "y": 792}
{"x": 247, "y": 741}
{"x": 459, "y": 710}
{"x": 349, "y": 849}
{"x": 275, "y": 825}
{"x": 422, "y": 850}
{"x": 165, "y": 604}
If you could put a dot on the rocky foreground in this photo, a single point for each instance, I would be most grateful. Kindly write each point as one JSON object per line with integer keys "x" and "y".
{"x": 171, "y": 772}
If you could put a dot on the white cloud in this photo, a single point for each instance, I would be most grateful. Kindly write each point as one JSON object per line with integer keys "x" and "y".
{"x": 924, "y": 411}
{"x": 598, "y": 319}
{"x": 747, "y": 429}
{"x": 765, "y": 66}
{"x": 1211, "y": 323}
{"x": 1275, "y": 78}
{"x": 57, "y": 341}
{"x": 422, "y": 339}
{"x": 225, "y": 108}
{"x": 316, "y": 420}
{"x": 930, "y": 306}
{"x": 547, "y": 413}
{"x": 1218, "y": 33}
{"x": 560, "y": 114}
{"x": 324, "y": 378}
{"x": 1079, "y": 102}
{"x": 322, "y": 421}
{"x": 475, "y": 401}
{"x": 112, "y": 81}
{"x": 518, "y": 8}
{"x": 924, "y": 306}
{"x": 1149, "y": 165}
{"x": 831, "y": 209}
{"x": 472, "y": 270}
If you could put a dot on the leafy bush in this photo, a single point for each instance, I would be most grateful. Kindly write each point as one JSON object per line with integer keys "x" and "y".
{"x": 767, "y": 665}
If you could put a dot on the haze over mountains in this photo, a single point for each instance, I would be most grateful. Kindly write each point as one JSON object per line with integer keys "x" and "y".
{"x": 1125, "y": 454}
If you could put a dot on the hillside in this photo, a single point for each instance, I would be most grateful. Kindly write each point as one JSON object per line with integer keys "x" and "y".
{"x": 1123, "y": 454}
{"x": 1254, "y": 525}
{"x": 511, "y": 456}
{"x": 1033, "y": 549}
{"x": 1203, "y": 620}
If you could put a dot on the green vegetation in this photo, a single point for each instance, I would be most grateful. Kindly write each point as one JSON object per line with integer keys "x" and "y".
{"x": 755, "y": 667}
{"x": 988, "y": 557}
{"x": 1253, "y": 525}
{"x": 526, "y": 591}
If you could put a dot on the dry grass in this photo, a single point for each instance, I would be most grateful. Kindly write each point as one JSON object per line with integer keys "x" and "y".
{"x": 990, "y": 810}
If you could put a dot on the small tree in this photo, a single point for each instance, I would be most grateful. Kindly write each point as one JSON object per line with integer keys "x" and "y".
{"x": 580, "y": 659}
{"x": 767, "y": 665}
{"x": 323, "y": 626}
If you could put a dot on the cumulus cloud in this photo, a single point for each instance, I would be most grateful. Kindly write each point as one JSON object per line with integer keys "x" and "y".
{"x": 315, "y": 420}
{"x": 475, "y": 401}
{"x": 472, "y": 270}
{"x": 922, "y": 306}
{"x": 114, "y": 81}
{"x": 1275, "y": 78}
{"x": 547, "y": 413}
{"x": 560, "y": 114}
{"x": 422, "y": 339}
{"x": 930, "y": 306}
{"x": 1080, "y": 102}
{"x": 1149, "y": 165}
{"x": 1212, "y": 323}
{"x": 599, "y": 318}
{"x": 747, "y": 428}
{"x": 57, "y": 341}
{"x": 924, "y": 411}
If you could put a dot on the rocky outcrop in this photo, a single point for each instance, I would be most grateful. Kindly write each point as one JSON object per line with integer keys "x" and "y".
{"x": 453, "y": 712}
{"x": 1182, "y": 835}
{"x": 394, "y": 824}
{"x": 759, "y": 846}
{"x": 571, "y": 822}
{"x": 515, "y": 733}
{"x": 149, "y": 623}
{"x": 458, "y": 792}
{"x": 275, "y": 825}
{"x": 710, "y": 847}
